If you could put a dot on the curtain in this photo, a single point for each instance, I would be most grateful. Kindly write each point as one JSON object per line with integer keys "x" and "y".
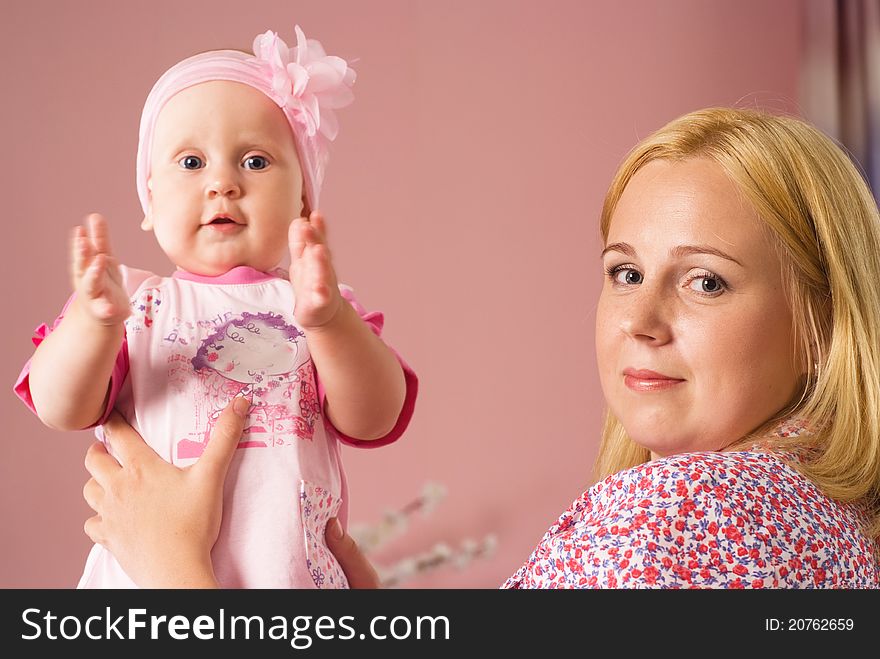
{"x": 841, "y": 77}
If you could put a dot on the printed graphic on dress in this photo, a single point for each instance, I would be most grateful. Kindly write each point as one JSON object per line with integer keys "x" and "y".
{"x": 264, "y": 358}
{"x": 316, "y": 506}
{"x": 144, "y": 307}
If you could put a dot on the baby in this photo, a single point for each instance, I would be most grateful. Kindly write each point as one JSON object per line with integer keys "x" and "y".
{"x": 230, "y": 163}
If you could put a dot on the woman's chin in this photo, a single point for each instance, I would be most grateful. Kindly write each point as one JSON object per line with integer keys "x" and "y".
{"x": 663, "y": 442}
{"x": 661, "y": 434}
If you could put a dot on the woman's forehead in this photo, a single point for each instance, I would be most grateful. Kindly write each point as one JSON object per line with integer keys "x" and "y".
{"x": 667, "y": 203}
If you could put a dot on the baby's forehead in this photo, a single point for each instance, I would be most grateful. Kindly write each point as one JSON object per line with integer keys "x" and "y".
{"x": 215, "y": 96}
{"x": 219, "y": 107}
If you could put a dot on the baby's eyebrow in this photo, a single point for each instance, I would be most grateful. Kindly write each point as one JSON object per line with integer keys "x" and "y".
{"x": 255, "y": 138}
{"x": 679, "y": 251}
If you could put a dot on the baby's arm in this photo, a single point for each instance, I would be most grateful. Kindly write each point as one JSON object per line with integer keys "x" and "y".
{"x": 363, "y": 380}
{"x": 71, "y": 369}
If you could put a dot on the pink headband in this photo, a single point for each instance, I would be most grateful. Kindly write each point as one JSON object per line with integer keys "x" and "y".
{"x": 304, "y": 82}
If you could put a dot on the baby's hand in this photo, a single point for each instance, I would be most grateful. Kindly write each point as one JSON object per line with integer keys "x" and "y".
{"x": 311, "y": 273}
{"x": 96, "y": 276}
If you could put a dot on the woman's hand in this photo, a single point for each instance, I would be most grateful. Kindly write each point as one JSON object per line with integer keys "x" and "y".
{"x": 161, "y": 521}
{"x": 357, "y": 568}
{"x": 158, "y": 520}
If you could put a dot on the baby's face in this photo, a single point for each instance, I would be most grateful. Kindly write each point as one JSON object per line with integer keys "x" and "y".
{"x": 225, "y": 180}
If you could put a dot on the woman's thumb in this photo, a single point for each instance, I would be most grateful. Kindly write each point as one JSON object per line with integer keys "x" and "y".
{"x": 224, "y": 438}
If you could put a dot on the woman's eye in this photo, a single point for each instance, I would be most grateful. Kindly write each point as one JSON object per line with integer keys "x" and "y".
{"x": 706, "y": 284}
{"x": 625, "y": 276}
{"x": 256, "y": 162}
{"x": 190, "y": 162}
{"x": 630, "y": 277}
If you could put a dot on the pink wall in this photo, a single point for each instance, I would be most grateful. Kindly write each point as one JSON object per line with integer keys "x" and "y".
{"x": 462, "y": 198}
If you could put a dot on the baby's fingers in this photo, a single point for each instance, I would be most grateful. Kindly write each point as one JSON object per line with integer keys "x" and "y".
{"x": 81, "y": 253}
{"x": 113, "y": 270}
{"x": 298, "y": 237}
{"x": 320, "y": 265}
{"x": 92, "y": 281}
{"x": 100, "y": 234}
{"x": 319, "y": 227}
{"x": 317, "y": 271}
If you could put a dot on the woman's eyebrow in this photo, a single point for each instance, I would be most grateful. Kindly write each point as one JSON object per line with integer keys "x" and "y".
{"x": 623, "y": 248}
{"x": 678, "y": 252}
{"x": 685, "y": 250}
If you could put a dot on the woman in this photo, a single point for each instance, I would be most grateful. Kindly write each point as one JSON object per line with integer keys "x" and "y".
{"x": 738, "y": 342}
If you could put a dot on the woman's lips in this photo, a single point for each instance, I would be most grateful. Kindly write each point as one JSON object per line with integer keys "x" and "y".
{"x": 648, "y": 381}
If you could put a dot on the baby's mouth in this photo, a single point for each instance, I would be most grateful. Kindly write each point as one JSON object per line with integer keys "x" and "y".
{"x": 225, "y": 224}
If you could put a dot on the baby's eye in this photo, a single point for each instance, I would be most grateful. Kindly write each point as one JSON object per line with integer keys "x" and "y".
{"x": 256, "y": 162}
{"x": 191, "y": 162}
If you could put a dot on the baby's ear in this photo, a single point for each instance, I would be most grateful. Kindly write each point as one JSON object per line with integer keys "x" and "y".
{"x": 147, "y": 224}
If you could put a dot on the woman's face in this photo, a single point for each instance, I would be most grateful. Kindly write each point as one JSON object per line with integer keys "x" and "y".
{"x": 694, "y": 333}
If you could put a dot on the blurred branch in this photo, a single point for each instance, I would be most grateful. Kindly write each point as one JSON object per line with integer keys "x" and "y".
{"x": 439, "y": 556}
{"x": 394, "y": 523}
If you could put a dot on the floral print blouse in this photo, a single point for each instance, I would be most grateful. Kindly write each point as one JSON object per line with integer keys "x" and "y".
{"x": 705, "y": 520}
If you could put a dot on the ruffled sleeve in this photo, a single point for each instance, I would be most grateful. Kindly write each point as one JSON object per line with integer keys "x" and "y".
{"x": 22, "y": 386}
{"x": 132, "y": 279}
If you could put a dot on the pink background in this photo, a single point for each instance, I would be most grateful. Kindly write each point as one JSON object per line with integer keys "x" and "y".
{"x": 462, "y": 198}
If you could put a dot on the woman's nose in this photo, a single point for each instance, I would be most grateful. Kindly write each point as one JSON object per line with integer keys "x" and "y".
{"x": 645, "y": 316}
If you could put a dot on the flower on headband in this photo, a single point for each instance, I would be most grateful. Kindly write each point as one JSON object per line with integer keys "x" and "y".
{"x": 307, "y": 79}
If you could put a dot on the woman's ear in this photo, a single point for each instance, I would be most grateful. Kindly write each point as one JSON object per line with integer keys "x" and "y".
{"x": 147, "y": 224}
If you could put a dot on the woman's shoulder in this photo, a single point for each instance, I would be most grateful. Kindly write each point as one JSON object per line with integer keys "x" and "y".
{"x": 753, "y": 486}
{"x": 738, "y": 519}
{"x": 683, "y": 484}
{"x": 680, "y": 475}
{"x": 734, "y": 520}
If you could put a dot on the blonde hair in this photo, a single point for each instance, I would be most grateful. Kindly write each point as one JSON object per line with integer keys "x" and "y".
{"x": 826, "y": 228}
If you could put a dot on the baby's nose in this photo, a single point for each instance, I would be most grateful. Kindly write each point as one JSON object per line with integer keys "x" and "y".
{"x": 223, "y": 187}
